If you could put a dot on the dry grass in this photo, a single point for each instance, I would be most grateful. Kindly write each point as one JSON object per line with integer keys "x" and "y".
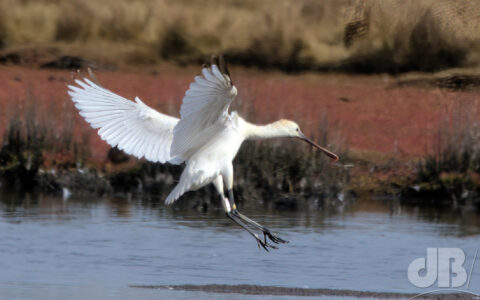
{"x": 453, "y": 166}
{"x": 410, "y": 35}
{"x": 47, "y": 145}
{"x": 371, "y": 36}
{"x": 36, "y": 139}
{"x": 45, "y": 127}
{"x": 457, "y": 144}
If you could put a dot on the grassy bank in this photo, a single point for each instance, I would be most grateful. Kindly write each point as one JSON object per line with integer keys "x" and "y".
{"x": 394, "y": 134}
{"x": 358, "y": 36}
{"x": 451, "y": 171}
{"x": 46, "y": 152}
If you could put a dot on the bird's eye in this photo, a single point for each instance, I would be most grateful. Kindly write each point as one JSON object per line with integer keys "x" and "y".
{"x": 298, "y": 129}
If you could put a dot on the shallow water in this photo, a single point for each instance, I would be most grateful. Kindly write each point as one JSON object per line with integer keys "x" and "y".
{"x": 98, "y": 248}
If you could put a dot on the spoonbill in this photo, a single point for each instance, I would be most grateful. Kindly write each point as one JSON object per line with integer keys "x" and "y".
{"x": 206, "y": 137}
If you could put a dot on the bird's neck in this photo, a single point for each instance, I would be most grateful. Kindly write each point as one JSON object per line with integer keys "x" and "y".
{"x": 271, "y": 130}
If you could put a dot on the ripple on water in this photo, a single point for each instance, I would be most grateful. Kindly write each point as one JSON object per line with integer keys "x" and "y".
{"x": 88, "y": 244}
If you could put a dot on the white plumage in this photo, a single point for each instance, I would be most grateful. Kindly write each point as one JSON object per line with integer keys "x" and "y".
{"x": 143, "y": 132}
{"x": 205, "y": 104}
{"x": 131, "y": 126}
{"x": 206, "y": 137}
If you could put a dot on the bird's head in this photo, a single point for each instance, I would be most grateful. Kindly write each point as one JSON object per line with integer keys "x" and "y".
{"x": 291, "y": 129}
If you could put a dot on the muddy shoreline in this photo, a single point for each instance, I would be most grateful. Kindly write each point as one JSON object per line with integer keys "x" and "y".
{"x": 246, "y": 289}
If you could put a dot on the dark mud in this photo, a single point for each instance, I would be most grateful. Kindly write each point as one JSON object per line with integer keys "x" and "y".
{"x": 452, "y": 82}
{"x": 285, "y": 291}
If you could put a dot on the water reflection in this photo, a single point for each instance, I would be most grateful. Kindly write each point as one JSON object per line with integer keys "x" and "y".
{"x": 465, "y": 221}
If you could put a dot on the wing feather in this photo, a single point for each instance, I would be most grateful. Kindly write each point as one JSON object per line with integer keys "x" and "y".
{"x": 204, "y": 106}
{"x": 133, "y": 127}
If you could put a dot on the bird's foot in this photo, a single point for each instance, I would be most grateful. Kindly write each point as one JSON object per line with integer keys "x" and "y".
{"x": 264, "y": 243}
{"x": 273, "y": 237}
{"x": 261, "y": 242}
{"x": 266, "y": 232}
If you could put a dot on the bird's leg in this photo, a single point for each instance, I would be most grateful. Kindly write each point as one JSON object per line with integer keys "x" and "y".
{"x": 230, "y": 213}
{"x": 266, "y": 232}
{"x": 227, "y": 206}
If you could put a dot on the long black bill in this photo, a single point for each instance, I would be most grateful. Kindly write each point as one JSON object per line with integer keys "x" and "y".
{"x": 327, "y": 152}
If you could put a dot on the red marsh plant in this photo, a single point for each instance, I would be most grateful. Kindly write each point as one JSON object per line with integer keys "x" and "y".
{"x": 453, "y": 165}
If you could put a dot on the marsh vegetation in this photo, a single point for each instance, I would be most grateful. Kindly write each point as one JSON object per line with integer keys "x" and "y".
{"x": 43, "y": 144}
{"x": 358, "y": 36}
{"x": 46, "y": 153}
{"x": 451, "y": 170}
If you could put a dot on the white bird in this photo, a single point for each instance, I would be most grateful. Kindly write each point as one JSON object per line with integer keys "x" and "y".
{"x": 206, "y": 137}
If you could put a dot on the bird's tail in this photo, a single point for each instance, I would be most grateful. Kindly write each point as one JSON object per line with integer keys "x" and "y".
{"x": 176, "y": 193}
{"x": 193, "y": 177}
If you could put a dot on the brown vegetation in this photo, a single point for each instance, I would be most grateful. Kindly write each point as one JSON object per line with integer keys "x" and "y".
{"x": 47, "y": 145}
{"x": 361, "y": 36}
{"x": 386, "y": 129}
{"x": 451, "y": 170}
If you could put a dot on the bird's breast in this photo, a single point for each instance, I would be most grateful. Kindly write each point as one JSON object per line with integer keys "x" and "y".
{"x": 224, "y": 146}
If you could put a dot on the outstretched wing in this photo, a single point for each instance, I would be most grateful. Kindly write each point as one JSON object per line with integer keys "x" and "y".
{"x": 204, "y": 106}
{"x": 133, "y": 127}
